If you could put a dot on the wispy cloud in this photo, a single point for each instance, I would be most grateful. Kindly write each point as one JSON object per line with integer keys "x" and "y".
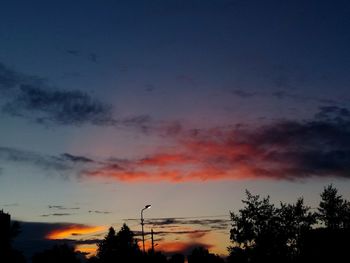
{"x": 281, "y": 150}
{"x": 73, "y": 52}
{"x": 76, "y": 159}
{"x": 58, "y": 106}
{"x": 286, "y": 149}
{"x": 56, "y": 214}
{"x": 99, "y": 212}
{"x": 242, "y": 93}
{"x": 174, "y": 224}
{"x": 60, "y": 207}
{"x": 32, "y": 98}
{"x": 280, "y": 95}
{"x": 32, "y": 158}
{"x": 64, "y": 165}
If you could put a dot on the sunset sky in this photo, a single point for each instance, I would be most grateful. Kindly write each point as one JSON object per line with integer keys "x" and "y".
{"x": 107, "y": 106}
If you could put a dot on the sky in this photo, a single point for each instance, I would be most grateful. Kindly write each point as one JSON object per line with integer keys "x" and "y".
{"x": 107, "y": 106}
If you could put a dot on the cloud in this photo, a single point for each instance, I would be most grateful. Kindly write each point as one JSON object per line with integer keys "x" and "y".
{"x": 73, "y": 52}
{"x": 242, "y": 93}
{"x": 11, "y": 205}
{"x": 184, "y": 248}
{"x": 93, "y": 57}
{"x": 68, "y": 231}
{"x": 56, "y": 214}
{"x": 165, "y": 159}
{"x": 76, "y": 159}
{"x": 58, "y": 106}
{"x": 8, "y": 78}
{"x": 65, "y": 165}
{"x": 99, "y": 212}
{"x": 60, "y": 207}
{"x": 280, "y": 95}
{"x": 27, "y": 157}
{"x": 281, "y": 150}
{"x": 285, "y": 149}
{"x": 32, "y": 98}
{"x": 333, "y": 113}
{"x": 38, "y": 236}
{"x": 173, "y": 224}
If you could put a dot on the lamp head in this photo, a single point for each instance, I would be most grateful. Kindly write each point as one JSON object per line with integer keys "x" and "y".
{"x": 147, "y": 206}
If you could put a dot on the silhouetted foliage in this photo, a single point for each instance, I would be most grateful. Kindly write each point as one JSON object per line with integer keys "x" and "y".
{"x": 121, "y": 247}
{"x": 202, "y": 255}
{"x": 262, "y": 232}
{"x": 15, "y": 230}
{"x": 8, "y": 232}
{"x": 333, "y": 210}
{"x": 255, "y": 229}
{"x": 326, "y": 245}
{"x": 12, "y": 256}
{"x": 177, "y": 258}
{"x": 154, "y": 257}
{"x": 57, "y": 254}
{"x": 93, "y": 259}
{"x": 295, "y": 220}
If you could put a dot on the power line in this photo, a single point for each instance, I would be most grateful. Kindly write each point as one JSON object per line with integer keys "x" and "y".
{"x": 182, "y": 217}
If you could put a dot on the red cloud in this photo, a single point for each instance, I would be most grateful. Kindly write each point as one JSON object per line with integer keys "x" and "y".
{"x": 163, "y": 159}
{"x": 282, "y": 150}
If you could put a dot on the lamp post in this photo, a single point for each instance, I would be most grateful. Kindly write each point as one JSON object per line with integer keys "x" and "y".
{"x": 142, "y": 223}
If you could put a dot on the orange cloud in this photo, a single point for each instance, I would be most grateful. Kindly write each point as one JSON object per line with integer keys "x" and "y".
{"x": 269, "y": 152}
{"x": 73, "y": 230}
{"x": 180, "y": 247}
{"x": 214, "y": 156}
{"x": 90, "y": 250}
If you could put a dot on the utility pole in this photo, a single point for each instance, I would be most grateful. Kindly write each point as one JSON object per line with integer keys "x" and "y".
{"x": 152, "y": 240}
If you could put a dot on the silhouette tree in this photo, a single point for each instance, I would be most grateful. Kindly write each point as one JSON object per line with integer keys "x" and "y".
{"x": 15, "y": 230}
{"x": 295, "y": 220}
{"x": 120, "y": 247}
{"x": 106, "y": 248}
{"x": 329, "y": 243}
{"x": 255, "y": 229}
{"x": 202, "y": 255}
{"x": 8, "y": 232}
{"x": 333, "y": 209}
{"x": 346, "y": 215}
{"x": 93, "y": 259}
{"x": 57, "y": 254}
{"x": 262, "y": 232}
{"x": 177, "y": 258}
{"x": 154, "y": 257}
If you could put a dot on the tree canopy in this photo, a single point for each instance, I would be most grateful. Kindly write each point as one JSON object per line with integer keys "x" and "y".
{"x": 264, "y": 232}
{"x": 118, "y": 246}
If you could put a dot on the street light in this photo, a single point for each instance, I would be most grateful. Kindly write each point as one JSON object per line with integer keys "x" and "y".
{"x": 143, "y": 235}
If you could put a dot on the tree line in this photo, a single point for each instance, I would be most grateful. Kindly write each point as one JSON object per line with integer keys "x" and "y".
{"x": 263, "y": 232}
{"x": 260, "y": 232}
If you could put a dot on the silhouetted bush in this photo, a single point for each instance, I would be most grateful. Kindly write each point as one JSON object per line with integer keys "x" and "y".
{"x": 57, "y": 254}
{"x": 177, "y": 258}
{"x": 202, "y": 255}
